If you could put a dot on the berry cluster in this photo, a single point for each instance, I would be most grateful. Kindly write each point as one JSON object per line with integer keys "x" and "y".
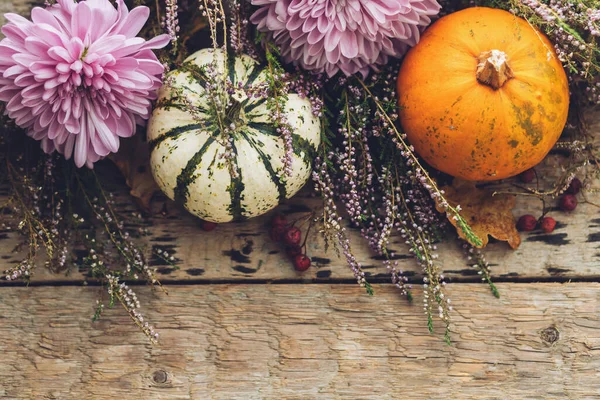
{"x": 566, "y": 203}
{"x": 291, "y": 236}
{"x": 528, "y": 223}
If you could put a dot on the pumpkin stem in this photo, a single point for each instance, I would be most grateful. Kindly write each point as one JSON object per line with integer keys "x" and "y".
{"x": 233, "y": 112}
{"x": 493, "y": 69}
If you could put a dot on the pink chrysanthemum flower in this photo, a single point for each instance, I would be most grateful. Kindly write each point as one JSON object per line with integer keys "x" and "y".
{"x": 347, "y": 35}
{"x": 77, "y": 77}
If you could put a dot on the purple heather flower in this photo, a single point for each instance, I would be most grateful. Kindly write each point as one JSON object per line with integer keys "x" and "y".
{"x": 347, "y": 35}
{"x": 77, "y": 77}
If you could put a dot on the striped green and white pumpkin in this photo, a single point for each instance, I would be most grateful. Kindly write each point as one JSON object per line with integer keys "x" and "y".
{"x": 187, "y": 155}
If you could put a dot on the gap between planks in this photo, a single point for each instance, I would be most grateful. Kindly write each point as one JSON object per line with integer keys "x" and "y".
{"x": 303, "y": 342}
{"x": 244, "y": 252}
{"x": 304, "y": 281}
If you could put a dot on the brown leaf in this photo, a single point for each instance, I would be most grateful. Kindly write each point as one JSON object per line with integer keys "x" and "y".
{"x": 485, "y": 214}
{"x": 133, "y": 160}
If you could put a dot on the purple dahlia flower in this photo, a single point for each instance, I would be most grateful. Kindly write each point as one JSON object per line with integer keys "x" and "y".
{"x": 77, "y": 77}
{"x": 347, "y": 35}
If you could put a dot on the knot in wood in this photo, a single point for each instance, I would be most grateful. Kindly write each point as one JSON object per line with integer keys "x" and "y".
{"x": 159, "y": 376}
{"x": 550, "y": 335}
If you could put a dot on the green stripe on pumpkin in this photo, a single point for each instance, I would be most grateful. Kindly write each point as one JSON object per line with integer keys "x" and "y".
{"x": 249, "y": 108}
{"x": 302, "y": 147}
{"x": 174, "y": 134}
{"x": 235, "y": 189}
{"x": 266, "y": 128}
{"x": 187, "y": 177}
{"x": 231, "y": 67}
{"x": 266, "y": 159}
{"x": 253, "y": 75}
{"x": 195, "y": 71}
{"x": 174, "y": 103}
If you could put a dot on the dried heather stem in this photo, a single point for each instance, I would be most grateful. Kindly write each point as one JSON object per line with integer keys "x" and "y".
{"x": 431, "y": 185}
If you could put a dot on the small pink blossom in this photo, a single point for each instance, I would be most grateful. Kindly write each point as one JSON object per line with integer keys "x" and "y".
{"x": 347, "y": 35}
{"x": 77, "y": 77}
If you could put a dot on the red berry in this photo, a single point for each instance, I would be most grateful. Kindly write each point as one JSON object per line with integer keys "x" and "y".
{"x": 292, "y": 236}
{"x": 301, "y": 262}
{"x": 293, "y": 251}
{"x": 568, "y": 202}
{"x": 208, "y": 226}
{"x": 526, "y": 223}
{"x": 548, "y": 224}
{"x": 574, "y": 186}
{"x": 527, "y": 176}
{"x": 276, "y": 233}
{"x": 279, "y": 219}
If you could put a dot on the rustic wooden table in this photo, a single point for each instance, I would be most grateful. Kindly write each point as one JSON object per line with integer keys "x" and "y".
{"x": 240, "y": 323}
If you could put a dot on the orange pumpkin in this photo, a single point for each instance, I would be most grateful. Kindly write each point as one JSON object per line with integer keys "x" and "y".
{"x": 483, "y": 95}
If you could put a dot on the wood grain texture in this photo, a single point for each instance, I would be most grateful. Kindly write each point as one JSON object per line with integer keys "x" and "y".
{"x": 302, "y": 342}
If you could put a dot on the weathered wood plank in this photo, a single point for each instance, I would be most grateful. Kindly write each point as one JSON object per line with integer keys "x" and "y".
{"x": 302, "y": 342}
{"x": 241, "y": 252}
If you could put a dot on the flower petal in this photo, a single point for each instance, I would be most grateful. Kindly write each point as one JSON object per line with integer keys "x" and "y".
{"x": 135, "y": 21}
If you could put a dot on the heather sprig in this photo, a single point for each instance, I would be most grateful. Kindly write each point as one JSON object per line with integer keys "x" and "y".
{"x": 367, "y": 167}
{"x": 57, "y": 211}
{"x": 480, "y": 263}
{"x": 128, "y": 299}
{"x": 214, "y": 12}
{"x": 128, "y": 253}
{"x": 170, "y": 23}
{"x": 34, "y": 211}
{"x": 240, "y": 40}
{"x": 407, "y": 151}
{"x": 278, "y": 82}
{"x": 332, "y": 229}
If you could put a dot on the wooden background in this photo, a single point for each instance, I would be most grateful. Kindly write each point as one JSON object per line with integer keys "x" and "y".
{"x": 240, "y": 323}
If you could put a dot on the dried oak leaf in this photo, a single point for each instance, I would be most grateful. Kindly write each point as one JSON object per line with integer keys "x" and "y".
{"x": 133, "y": 160}
{"x": 485, "y": 214}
